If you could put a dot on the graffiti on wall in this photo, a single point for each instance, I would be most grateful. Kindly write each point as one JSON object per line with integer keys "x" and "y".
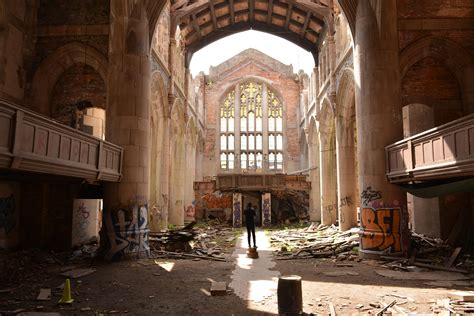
{"x": 85, "y": 221}
{"x": 7, "y": 213}
{"x": 190, "y": 212}
{"x": 370, "y": 196}
{"x": 217, "y": 200}
{"x": 237, "y": 210}
{"x": 381, "y": 229}
{"x": 347, "y": 201}
{"x": 266, "y": 209}
{"x": 128, "y": 233}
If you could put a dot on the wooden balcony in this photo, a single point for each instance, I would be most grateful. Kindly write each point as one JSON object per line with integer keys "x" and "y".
{"x": 33, "y": 142}
{"x": 261, "y": 182}
{"x": 446, "y": 151}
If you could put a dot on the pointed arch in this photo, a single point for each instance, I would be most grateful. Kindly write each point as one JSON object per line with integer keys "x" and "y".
{"x": 54, "y": 65}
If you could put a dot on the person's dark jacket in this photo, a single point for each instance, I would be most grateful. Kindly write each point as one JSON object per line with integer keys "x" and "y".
{"x": 249, "y": 213}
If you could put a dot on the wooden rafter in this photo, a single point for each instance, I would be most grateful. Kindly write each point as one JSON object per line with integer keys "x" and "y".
{"x": 213, "y": 14}
{"x": 188, "y": 10}
{"x": 270, "y": 11}
{"x": 288, "y": 15}
{"x": 319, "y": 10}
{"x": 232, "y": 12}
{"x": 251, "y": 10}
{"x": 305, "y": 25}
{"x": 196, "y": 25}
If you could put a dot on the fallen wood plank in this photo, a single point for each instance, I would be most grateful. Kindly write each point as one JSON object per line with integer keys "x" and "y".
{"x": 44, "y": 295}
{"x": 77, "y": 273}
{"x": 170, "y": 253}
{"x": 332, "y": 310}
{"x": 453, "y": 257}
{"x": 380, "y": 313}
{"x": 437, "y": 267}
{"x": 463, "y": 296}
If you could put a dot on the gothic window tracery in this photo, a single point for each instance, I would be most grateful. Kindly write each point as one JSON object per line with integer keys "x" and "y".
{"x": 251, "y": 129}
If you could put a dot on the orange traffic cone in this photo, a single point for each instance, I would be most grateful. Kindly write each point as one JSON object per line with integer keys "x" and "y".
{"x": 66, "y": 299}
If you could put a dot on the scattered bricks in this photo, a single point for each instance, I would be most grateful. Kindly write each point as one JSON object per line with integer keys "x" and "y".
{"x": 218, "y": 288}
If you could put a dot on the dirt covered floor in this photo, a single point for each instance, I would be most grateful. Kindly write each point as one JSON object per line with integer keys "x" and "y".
{"x": 173, "y": 286}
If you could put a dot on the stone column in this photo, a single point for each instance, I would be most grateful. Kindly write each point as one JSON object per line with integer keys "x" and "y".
{"x": 314, "y": 195}
{"x": 328, "y": 179}
{"x": 424, "y": 213}
{"x": 378, "y": 113}
{"x": 128, "y": 125}
{"x": 266, "y": 209}
{"x": 346, "y": 178}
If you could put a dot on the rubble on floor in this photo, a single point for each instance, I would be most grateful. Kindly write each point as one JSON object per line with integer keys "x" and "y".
{"x": 315, "y": 242}
{"x": 211, "y": 240}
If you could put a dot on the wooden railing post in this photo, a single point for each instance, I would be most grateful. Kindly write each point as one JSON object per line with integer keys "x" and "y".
{"x": 17, "y": 139}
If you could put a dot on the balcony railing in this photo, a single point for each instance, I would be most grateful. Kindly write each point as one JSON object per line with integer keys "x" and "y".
{"x": 446, "y": 151}
{"x": 261, "y": 182}
{"x": 33, "y": 142}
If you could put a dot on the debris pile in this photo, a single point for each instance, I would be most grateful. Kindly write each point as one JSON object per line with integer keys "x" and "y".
{"x": 208, "y": 241}
{"x": 434, "y": 254}
{"x": 315, "y": 242}
{"x": 459, "y": 303}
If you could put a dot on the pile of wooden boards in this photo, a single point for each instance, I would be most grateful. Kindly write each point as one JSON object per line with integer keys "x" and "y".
{"x": 212, "y": 242}
{"x": 315, "y": 242}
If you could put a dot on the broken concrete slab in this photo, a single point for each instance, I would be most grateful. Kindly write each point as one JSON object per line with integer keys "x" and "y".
{"x": 450, "y": 283}
{"x": 77, "y": 273}
{"x": 218, "y": 288}
{"x": 44, "y": 295}
{"x": 428, "y": 275}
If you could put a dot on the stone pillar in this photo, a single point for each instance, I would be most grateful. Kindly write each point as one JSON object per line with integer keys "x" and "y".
{"x": 424, "y": 213}
{"x": 189, "y": 212}
{"x": 378, "y": 114}
{"x": 128, "y": 125}
{"x": 314, "y": 195}
{"x": 328, "y": 179}
{"x": 177, "y": 164}
{"x": 346, "y": 178}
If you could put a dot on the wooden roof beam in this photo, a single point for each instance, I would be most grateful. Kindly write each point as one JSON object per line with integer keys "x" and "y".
{"x": 305, "y": 25}
{"x": 252, "y": 11}
{"x": 232, "y": 11}
{"x": 196, "y": 25}
{"x": 288, "y": 15}
{"x": 213, "y": 14}
{"x": 270, "y": 12}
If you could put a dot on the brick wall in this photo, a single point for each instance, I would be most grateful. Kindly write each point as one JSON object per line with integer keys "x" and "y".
{"x": 430, "y": 82}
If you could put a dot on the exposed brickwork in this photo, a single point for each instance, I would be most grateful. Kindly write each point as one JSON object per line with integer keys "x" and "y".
{"x": 45, "y": 46}
{"x": 431, "y": 83}
{"x": 61, "y": 12}
{"x": 79, "y": 82}
{"x": 435, "y": 8}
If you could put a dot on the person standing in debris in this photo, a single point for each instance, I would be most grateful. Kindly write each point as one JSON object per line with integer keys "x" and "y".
{"x": 249, "y": 213}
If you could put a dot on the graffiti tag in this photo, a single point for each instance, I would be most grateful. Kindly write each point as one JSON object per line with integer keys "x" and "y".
{"x": 128, "y": 237}
{"x": 237, "y": 211}
{"x": 7, "y": 213}
{"x": 369, "y": 195}
{"x": 381, "y": 229}
{"x": 347, "y": 201}
{"x": 266, "y": 209}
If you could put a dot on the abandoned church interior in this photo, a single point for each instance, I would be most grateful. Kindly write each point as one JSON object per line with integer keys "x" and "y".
{"x": 107, "y": 140}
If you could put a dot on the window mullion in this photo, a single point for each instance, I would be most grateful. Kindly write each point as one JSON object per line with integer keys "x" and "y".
{"x": 237, "y": 128}
{"x": 265, "y": 126}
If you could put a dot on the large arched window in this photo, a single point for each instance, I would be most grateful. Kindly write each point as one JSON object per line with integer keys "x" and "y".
{"x": 251, "y": 129}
